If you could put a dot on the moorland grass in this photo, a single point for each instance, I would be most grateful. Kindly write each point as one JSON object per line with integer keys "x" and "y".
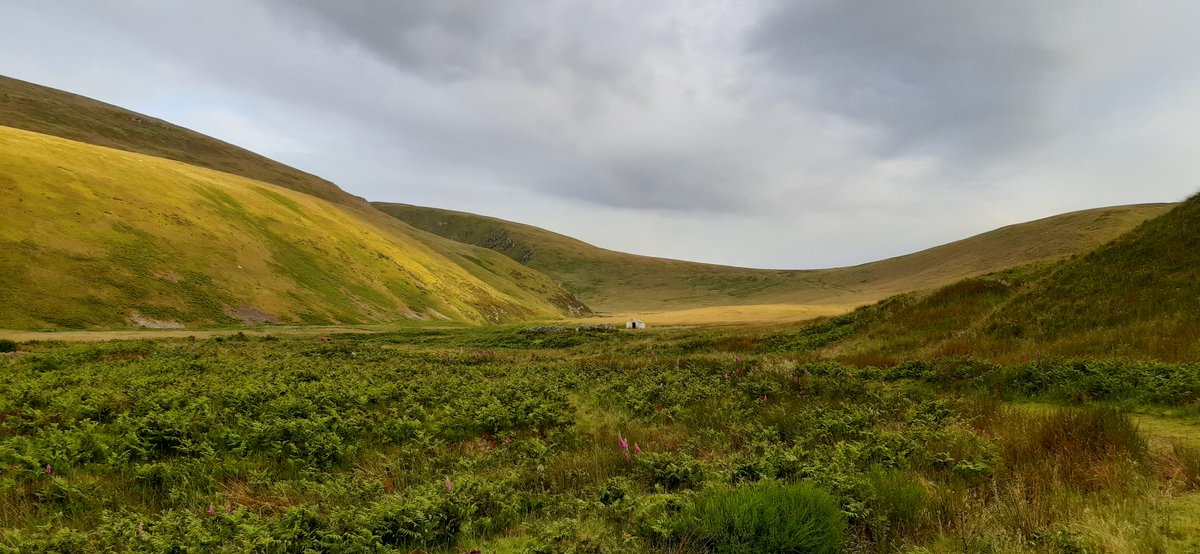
{"x": 1134, "y": 297}
{"x": 609, "y": 281}
{"x": 100, "y": 238}
{"x": 765, "y": 517}
{"x": 450, "y": 440}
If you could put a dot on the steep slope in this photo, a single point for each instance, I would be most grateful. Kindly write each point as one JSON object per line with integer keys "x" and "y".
{"x": 54, "y": 112}
{"x": 97, "y": 237}
{"x": 617, "y": 282}
{"x": 1137, "y": 296}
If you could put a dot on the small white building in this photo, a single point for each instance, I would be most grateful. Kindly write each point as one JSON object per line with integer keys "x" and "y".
{"x": 635, "y": 324}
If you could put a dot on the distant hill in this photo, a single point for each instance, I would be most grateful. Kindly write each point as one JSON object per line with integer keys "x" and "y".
{"x": 1136, "y": 296}
{"x": 135, "y": 221}
{"x": 94, "y": 237}
{"x": 54, "y": 112}
{"x": 609, "y": 281}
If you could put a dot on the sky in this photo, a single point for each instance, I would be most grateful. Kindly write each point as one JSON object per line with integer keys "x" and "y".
{"x": 790, "y": 134}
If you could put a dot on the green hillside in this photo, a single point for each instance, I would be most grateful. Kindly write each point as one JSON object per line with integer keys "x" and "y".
{"x": 1137, "y": 296}
{"x": 54, "y": 112}
{"x": 611, "y": 281}
{"x": 97, "y": 238}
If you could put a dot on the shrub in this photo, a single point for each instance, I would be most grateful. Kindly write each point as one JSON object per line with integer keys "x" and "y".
{"x": 572, "y": 536}
{"x": 765, "y": 517}
{"x": 669, "y": 470}
{"x": 7, "y": 346}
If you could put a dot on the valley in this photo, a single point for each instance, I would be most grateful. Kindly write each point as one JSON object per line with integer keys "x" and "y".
{"x": 207, "y": 350}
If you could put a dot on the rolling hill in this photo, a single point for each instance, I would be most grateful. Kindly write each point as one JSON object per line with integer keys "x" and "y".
{"x": 133, "y": 220}
{"x": 1137, "y": 296}
{"x": 95, "y": 237}
{"x": 33, "y": 107}
{"x": 609, "y": 281}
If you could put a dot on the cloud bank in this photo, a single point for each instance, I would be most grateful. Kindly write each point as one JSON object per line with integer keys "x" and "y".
{"x": 789, "y": 134}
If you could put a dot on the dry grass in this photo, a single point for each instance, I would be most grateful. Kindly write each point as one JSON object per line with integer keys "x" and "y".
{"x": 54, "y": 112}
{"x": 757, "y": 314}
{"x": 616, "y": 282}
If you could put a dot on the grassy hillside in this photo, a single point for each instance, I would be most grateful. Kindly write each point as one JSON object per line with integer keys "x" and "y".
{"x": 97, "y": 237}
{"x": 616, "y": 282}
{"x": 1137, "y": 296}
{"x": 62, "y": 114}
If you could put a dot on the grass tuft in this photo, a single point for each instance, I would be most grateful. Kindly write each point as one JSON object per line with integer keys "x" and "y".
{"x": 765, "y": 517}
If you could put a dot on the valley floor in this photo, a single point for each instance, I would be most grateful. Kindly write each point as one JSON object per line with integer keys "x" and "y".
{"x": 755, "y": 314}
{"x": 553, "y": 439}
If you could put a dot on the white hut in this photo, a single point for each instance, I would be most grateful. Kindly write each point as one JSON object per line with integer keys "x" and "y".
{"x": 635, "y": 324}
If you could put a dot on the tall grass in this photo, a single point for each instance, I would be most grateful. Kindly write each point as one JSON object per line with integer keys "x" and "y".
{"x": 765, "y": 517}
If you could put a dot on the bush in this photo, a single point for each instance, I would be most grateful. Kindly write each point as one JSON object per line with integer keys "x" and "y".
{"x": 669, "y": 470}
{"x": 7, "y": 346}
{"x": 765, "y": 517}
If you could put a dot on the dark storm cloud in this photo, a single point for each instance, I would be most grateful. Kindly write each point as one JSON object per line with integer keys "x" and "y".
{"x": 960, "y": 77}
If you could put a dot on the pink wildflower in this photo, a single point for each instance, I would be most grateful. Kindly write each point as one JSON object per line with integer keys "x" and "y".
{"x": 507, "y": 440}
{"x": 637, "y": 449}
{"x": 621, "y": 441}
{"x": 229, "y": 507}
{"x": 449, "y": 486}
{"x": 627, "y": 458}
{"x": 211, "y": 511}
{"x": 48, "y": 470}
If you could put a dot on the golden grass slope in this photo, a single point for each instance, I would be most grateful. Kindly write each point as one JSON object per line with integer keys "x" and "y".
{"x": 616, "y": 282}
{"x": 54, "y": 112}
{"x": 93, "y": 237}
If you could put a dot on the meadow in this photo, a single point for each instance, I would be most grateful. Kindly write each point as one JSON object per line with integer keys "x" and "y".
{"x": 557, "y": 439}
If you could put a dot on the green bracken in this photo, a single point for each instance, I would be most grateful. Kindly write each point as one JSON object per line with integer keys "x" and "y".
{"x": 447, "y": 440}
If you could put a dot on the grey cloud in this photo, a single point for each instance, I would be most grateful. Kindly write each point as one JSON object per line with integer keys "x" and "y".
{"x": 556, "y": 62}
{"x": 962, "y": 78}
{"x": 819, "y": 131}
{"x": 656, "y": 182}
{"x": 462, "y": 39}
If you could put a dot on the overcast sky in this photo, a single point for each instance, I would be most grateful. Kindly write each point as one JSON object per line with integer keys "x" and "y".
{"x": 768, "y": 134}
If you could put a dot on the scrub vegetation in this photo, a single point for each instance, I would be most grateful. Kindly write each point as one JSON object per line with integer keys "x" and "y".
{"x": 499, "y": 439}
